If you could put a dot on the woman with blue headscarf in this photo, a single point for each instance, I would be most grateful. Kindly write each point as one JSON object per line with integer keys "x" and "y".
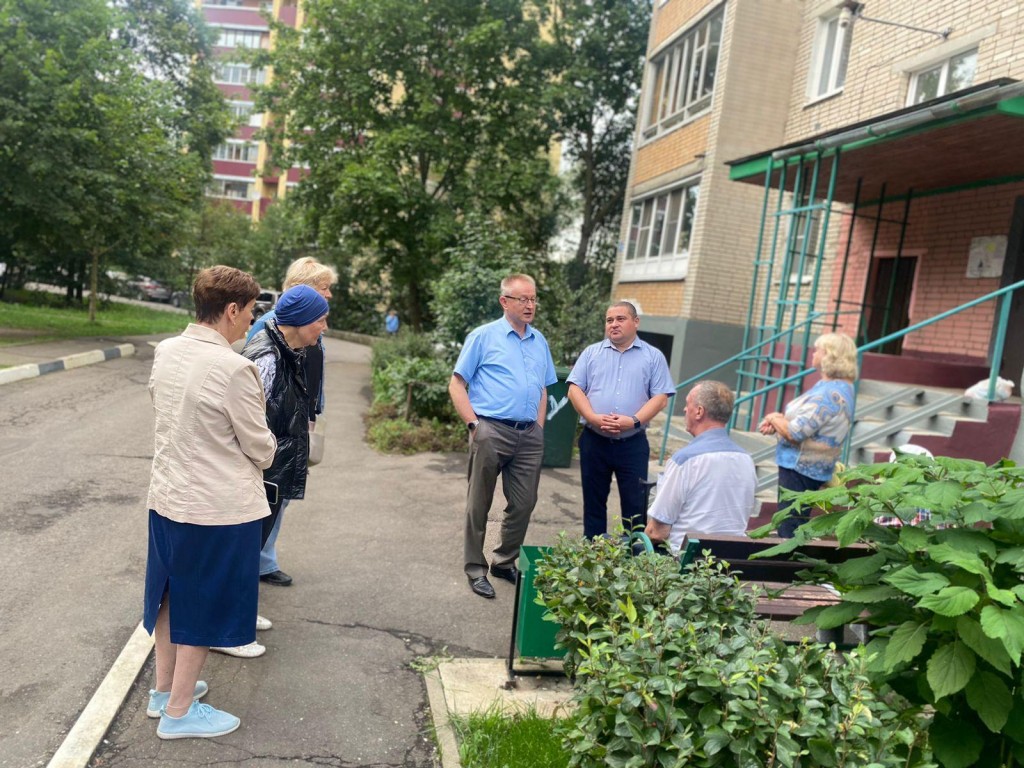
{"x": 278, "y": 351}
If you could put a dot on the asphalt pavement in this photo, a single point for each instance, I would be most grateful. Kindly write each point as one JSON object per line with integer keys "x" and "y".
{"x": 376, "y": 553}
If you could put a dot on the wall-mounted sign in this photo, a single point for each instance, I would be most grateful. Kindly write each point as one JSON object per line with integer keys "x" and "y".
{"x": 986, "y": 256}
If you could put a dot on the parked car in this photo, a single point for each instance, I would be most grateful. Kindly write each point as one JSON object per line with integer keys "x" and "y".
{"x": 181, "y": 299}
{"x": 147, "y": 289}
{"x": 265, "y": 302}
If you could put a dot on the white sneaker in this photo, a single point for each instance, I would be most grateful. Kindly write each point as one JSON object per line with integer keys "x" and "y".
{"x": 263, "y": 623}
{"x": 250, "y": 651}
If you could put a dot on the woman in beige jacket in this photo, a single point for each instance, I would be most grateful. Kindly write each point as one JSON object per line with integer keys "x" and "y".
{"x": 206, "y": 500}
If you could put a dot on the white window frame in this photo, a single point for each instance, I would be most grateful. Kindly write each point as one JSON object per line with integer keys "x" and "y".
{"x": 237, "y": 73}
{"x": 240, "y": 110}
{"x": 679, "y": 69}
{"x": 835, "y": 67}
{"x": 217, "y": 187}
{"x": 943, "y": 75}
{"x": 667, "y": 256}
{"x": 237, "y": 151}
{"x": 239, "y": 37}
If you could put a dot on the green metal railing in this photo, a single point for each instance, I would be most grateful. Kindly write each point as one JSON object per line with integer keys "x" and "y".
{"x": 1003, "y": 316}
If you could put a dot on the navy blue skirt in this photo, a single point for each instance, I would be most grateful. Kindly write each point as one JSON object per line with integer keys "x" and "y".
{"x": 210, "y": 575}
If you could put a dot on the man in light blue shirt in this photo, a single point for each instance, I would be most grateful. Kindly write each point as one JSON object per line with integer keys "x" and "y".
{"x": 617, "y": 386}
{"x": 507, "y": 367}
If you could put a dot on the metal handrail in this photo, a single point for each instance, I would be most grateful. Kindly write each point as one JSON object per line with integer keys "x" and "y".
{"x": 1005, "y": 294}
{"x": 735, "y": 358}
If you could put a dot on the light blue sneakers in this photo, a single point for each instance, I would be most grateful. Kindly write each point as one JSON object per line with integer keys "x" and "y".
{"x": 158, "y": 700}
{"x": 200, "y": 722}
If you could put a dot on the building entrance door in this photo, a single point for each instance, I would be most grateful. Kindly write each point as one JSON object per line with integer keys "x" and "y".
{"x": 888, "y": 310}
{"x": 1012, "y": 364}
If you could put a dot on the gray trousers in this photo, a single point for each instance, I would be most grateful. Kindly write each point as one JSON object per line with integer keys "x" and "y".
{"x": 516, "y": 455}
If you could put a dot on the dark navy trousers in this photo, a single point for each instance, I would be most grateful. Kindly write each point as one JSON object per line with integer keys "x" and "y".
{"x": 627, "y": 458}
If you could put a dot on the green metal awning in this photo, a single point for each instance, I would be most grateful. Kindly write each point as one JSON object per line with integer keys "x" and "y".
{"x": 968, "y": 139}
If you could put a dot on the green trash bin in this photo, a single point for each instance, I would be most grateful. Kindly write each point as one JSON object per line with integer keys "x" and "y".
{"x": 560, "y": 423}
{"x": 534, "y": 638}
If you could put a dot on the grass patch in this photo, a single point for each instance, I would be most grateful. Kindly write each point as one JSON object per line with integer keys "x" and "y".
{"x": 389, "y": 432}
{"x": 523, "y": 740}
{"x": 45, "y": 317}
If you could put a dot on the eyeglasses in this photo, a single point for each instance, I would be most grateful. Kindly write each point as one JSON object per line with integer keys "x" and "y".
{"x": 523, "y": 300}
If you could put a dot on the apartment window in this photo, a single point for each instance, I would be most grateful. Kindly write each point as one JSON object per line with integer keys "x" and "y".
{"x": 231, "y": 188}
{"x": 237, "y": 74}
{"x": 240, "y": 110}
{"x": 239, "y": 38}
{"x": 953, "y": 74}
{"x": 831, "y": 55}
{"x": 682, "y": 77}
{"x": 236, "y": 151}
{"x": 660, "y": 226}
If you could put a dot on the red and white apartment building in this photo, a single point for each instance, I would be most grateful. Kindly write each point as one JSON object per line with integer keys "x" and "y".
{"x": 241, "y": 170}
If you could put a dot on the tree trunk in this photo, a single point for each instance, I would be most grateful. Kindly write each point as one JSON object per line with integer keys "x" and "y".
{"x": 94, "y": 281}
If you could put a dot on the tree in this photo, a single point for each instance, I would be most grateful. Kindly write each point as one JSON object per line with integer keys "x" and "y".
{"x": 409, "y": 115}
{"x": 597, "y": 49}
{"x": 98, "y": 159}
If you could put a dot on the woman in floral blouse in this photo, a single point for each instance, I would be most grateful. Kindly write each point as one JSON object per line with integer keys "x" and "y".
{"x": 814, "y": 426}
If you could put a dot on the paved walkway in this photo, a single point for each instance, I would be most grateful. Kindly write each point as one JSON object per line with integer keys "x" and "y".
{"x": 375, "y": 550}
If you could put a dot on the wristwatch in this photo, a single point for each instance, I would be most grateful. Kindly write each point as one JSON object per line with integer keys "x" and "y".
{"x": 636, "y": 423}
{"x": 471, "y": 425}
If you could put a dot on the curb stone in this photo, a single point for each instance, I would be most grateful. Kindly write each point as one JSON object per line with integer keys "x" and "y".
{"x": 32, "y": 370}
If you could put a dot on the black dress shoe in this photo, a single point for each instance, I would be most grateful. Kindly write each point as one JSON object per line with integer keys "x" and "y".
{"x": 277, "y": 578}
{"x": 510, "y": 574}
{"x": 481, "y": 586}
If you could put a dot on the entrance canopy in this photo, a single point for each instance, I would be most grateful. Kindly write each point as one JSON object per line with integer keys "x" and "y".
{"x": 967, "y": 139}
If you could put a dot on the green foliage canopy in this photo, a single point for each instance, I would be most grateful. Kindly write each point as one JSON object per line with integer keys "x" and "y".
{"x": 945, "y": 596}
{"x": 410, "y": 115}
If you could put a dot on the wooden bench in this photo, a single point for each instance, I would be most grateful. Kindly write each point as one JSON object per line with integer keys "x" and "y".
{"x": 783, "y": 597}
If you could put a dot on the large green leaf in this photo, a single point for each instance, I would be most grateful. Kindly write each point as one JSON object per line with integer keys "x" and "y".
{"x": 956, "y": 744}
{"x": 944, "y": 494}
{"x": 1005, "y": 596}
{"x": 916, "y": 583}
{"x": 905, "y": 644}
{"x": 1006, "y": 624}
{"x": 1014, "y": 556}
{"x": 968, "y": 540}
{"x": 875, "y": 594}
{"x": 990, "y": 649}
{"x": 991, "y": 699}
{"x": 950, "y": 668}
{"x": 913, "y": 538}
{"x": 951, "y": 601}
{"x": 858, "y": 568}
{"x": 837, "y": 615}
{"x": 978, "y": 512}
{"x": 852, "y": 526}
{"x": 968, "y": 561}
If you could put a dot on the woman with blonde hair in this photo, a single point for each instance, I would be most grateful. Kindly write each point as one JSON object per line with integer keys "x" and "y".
{"x": 815, "y": 425}
{"x": 320, "y": 277}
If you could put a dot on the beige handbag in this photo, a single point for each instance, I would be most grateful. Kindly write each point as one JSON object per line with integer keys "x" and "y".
{"x": 316, "y": 440}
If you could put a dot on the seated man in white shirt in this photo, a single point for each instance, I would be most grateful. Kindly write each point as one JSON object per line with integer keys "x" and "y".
{"x": 708, "y": 486}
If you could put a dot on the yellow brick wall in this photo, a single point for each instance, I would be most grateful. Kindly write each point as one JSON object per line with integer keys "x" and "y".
{"x": 672, "y": 150}
{"x": 663, "y": 299}
{"x": 672, "y": 16}
{"x": 875, "y": 80}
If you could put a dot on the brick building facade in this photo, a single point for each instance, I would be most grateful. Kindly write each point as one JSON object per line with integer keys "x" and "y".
{"x": 911, "y": 214}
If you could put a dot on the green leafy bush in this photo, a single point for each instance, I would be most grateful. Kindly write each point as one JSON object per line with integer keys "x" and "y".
{"x": 946, "y": 595}
{"x": 672, "y": 670}
{"x": 408, "y": 374}
{"x": 397, "y": 435}
{"x": 584, "y": 585}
